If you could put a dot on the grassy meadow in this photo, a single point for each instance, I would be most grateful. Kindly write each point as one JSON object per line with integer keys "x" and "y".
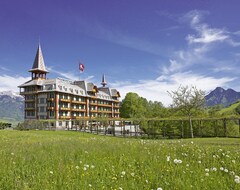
{"x": 74, "y": 160}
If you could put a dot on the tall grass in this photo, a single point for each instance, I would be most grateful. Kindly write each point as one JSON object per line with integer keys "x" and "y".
{"x": 73, "y": 160}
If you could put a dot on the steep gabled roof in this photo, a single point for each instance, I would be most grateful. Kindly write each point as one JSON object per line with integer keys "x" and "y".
{"x": 38, "y": 64}
{"x": 115, "y": 93}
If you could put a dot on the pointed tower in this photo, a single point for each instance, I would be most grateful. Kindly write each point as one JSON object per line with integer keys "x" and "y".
{"x": 104, "y": 82}
{"x": 38, "y": 69}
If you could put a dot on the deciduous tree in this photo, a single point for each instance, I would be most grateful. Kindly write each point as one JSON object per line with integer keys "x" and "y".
{"x": 188, "y": 100}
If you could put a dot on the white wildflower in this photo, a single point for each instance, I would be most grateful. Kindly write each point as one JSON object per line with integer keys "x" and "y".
{"x": 214, "y": 169}
{"x": 168, "y": 158}
{"x": 236, "y": 176}
{"x": 206, "y": 170}
{"x": 176, "y": 161}
{"x": 237, "y": 180}
{"x": 226, "y": 170}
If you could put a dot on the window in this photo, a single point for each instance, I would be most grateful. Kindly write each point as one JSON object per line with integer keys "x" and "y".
{"x": 42, "y": 100}
{"x": 51, "y": 95}
{"x": 42, "y": 109}
{"x": 30, "y": 113}
{"x": 42, "y": 117}
{"x": 51, "y": 114}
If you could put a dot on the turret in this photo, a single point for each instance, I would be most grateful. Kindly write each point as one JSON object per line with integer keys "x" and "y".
{"x": 38, "y": 69}
{"x": 104, "y": 82}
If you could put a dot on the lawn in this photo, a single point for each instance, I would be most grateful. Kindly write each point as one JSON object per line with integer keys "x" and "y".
{"x": 74, "y": 160}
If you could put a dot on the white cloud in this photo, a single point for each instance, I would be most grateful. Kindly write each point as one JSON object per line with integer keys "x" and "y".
{"x": 200, "y": 44}
{"x": 157, "y": 89}
{"x": 207, "y": 35}
{"x": 11, "y": 82}
{"x": 4, "y": 68}
{"x": 173, "y": 67}
{"x": 72, "y": 75}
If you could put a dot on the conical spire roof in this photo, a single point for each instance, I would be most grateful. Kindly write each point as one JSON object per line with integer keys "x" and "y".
{"x": 38, "y": 64}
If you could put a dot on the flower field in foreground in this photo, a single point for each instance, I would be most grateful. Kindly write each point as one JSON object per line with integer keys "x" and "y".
{"x": 73, "y": 160}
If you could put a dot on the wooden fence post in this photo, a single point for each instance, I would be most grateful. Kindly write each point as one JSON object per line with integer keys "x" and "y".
{"x": 239, "y": 126}
{"x": 225, "y": 127}
{"x": 114, "y": 129}
{"x": 182, "y": 131}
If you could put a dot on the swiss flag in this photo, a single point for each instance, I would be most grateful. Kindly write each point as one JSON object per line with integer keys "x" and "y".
{"x": 81, "y": 67}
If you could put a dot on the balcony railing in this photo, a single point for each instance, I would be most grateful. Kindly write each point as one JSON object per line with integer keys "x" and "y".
{"x": 105, "y": 105}
{"x": 30, "y": 108}
{"x": 64, "y": 117}
{"x": 64, "y": 108}
{"x": 78, "y": 102}
{"x": 30, "y": 100}
{"x": 50, "y": 108}
{"x": 28, "y": 92}
{"x": 78, "y": 110}
{"x": 104, "y": 111}
{"x": 64, "y": 100}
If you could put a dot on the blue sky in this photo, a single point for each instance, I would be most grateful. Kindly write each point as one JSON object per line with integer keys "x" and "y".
{"x": 147, "y": 47}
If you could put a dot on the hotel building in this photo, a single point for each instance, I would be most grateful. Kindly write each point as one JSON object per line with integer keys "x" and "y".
{"x": 63, "y": 101}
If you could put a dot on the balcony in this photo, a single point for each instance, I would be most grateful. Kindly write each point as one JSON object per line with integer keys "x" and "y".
{"x": 78, "y": 110}
{"x": 78, "y": 117}
{"x": 50, "y": 108}
{"x": 28, "y": 92}
{"x": 93, "y": 103}
{"x": 64, "y": 117}
{"x": 116, "y": 106}
{"x": 93, "y": 111}
{"x": 65, "y": 108}
{"x": 105, "y": 105}
{"x": 78, "y": 102}
{"x": 64, "y": 100}
{"x": 104, "y": 111}
{"x": 30, "y": 108}
{"x": 30, "y": 100}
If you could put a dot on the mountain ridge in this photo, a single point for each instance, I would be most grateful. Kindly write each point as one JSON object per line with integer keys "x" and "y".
{"x": 11, "y": 106}
{"x": 222, "y": 96}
